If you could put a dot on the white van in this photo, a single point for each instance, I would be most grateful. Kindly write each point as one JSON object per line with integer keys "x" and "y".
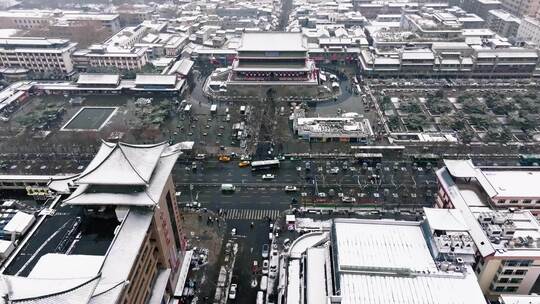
{"x": 213, "y": 109}
{"x": 264, "y": 283}
{"x": 260, "y": 297}
{"x": 228, "y": 188}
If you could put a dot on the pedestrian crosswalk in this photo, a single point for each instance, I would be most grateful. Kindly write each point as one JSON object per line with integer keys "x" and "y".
{"x": 251, "y": 214}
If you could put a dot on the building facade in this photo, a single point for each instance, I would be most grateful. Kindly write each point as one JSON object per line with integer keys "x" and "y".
{"x": 503, "y": 23}
{"x": 529, "y": 29}
{"x": 37, "y": 54}
{"x": 285, "y": 60}
{"x": 128, "y": 191}
{"x": 521, "y": 8}
{"x": 498, "y": 207}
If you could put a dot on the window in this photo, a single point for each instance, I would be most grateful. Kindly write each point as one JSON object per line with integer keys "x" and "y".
{"x": 511, "y": 263}
{"x": 508, "y": 272}
{"x": 509, "y": 289}
{"x": 516, "y": 280}
{"x": 520, "y": 272}
{"x": 501, "y": 201}
{"x": 525, "y": 263}
{"x": 172, "y": 218}
{"x": 499, "y": 289}
{"x": 503, "y": 280}
{"x": 526, "y": 201}
{"x": 513, "y": 202}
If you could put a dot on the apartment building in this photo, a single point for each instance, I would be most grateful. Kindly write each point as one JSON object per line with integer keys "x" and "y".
{"x": 38, "y": 19}
{"x": 133, "y": 14}
{"x": 101, "y": 56}
{"x": 529, "y": 29}
{"x": 463, "y": 61}
{"x": 37, "y": 54}
{"x": 503, "y": 23}
{"x": 498, "y": 207}
{"x": 119, "y": 51}
{"x": 480, "y": 7}
{"x": 126, "y": 194}
{"x": 22, "y": 19}
{"x": 111, "y": 22}
{"x": 521, "y": 7}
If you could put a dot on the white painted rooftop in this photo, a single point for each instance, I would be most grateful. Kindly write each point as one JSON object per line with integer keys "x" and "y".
{"x": 107, "y": 79}
{"x": 153, "y": 79}
{"x": 445, "y": 219}
{"x": 66, "y": 266}
{"x": 384, "y": 245}
{"x": 272, "y": 41}
{"x": 368, "y": 289}
{"x": 514, "y": 183}
{"x": 20, "y": 222}
{"x": 316, "y": 285}
{"x": 122, "y": 164}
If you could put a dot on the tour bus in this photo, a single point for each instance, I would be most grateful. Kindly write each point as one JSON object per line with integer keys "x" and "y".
{"x": 213, "y": 109}
{"x": 265, "y": 164}
{"x": 369, "y": 159}
{"x": 529, "y": 159}
{"x": 227, "y": 188}
{"x": 423, "y": 160}
{"x": 260, "y": 297}
{"x": 264, "y": 283}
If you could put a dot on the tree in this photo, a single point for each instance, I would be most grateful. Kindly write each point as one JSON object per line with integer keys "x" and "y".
{"x": 438, "y": 106}
{"x": 411, "y": 107}
{"x": 452, "y": 122}
{"x": 415, "y": 121}
{"x": 473, "y": 106}
{"x": 481, "y": 120}
{"x": 466, "y": 136}
{"x": 385, "y": 102}
{"x": 393, "y": 122}
{"x": 500, "y": 135}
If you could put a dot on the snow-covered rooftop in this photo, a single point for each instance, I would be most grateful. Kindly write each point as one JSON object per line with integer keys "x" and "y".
{"x": 122, "y": 164}
{"x": 270, "y": 41}
{"x": 102, "y": 79}
{"x": 383, "y": 245}
{"x": 368, "y": 289}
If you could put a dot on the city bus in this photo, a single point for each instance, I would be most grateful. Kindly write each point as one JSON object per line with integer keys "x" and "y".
{"x": 423, "y": 160}
{"x": 529, "y": 159}
{"x": 368, "y": 158}
{"x": 265, "y": 165}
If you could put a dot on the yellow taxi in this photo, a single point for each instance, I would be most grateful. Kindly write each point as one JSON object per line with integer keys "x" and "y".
{"x": 243, "y": 164}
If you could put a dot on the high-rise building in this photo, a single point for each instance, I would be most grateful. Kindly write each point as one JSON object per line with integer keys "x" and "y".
{"x": 119, "y": 239}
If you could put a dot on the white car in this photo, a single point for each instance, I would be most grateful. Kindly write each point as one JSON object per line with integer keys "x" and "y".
{"x": 265, "y": 250}
{"x": 232, "y": 291}
{"x": 268, "y": 176}
{"x": 334, "y": 170}
{"x": 290, "y": 189}
{"x": 321, "y": 194}
{"x": 265, "y": 267}
{"x": 348, "y": 199}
